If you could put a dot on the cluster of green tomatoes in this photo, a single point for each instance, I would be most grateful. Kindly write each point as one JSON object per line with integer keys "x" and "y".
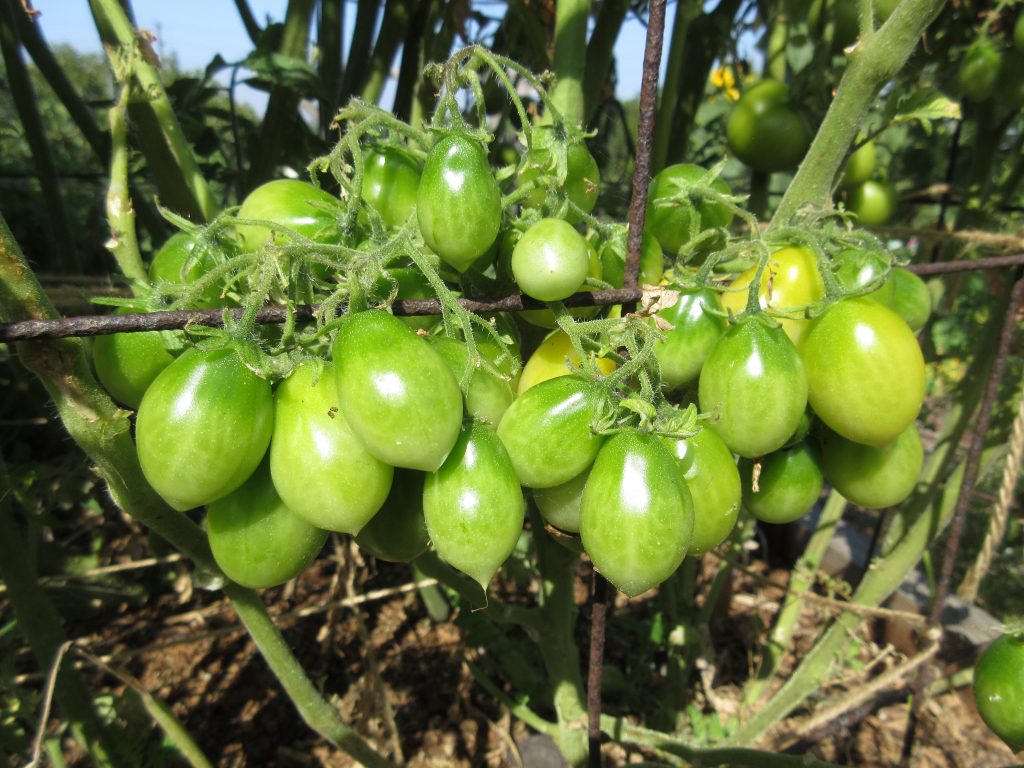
{"x": 756, "y": 371}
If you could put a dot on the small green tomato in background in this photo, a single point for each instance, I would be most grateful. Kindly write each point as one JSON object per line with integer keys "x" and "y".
{"x": 390, "y": 180}
{"x": 398, "y": 533}
{"x": 127, "y": 363}
{"x": 765, "y": 131}
{"x": 873, "y": 202}
{"x": 670, "y": 221}
{"x": 979, "y": 70}
{"x": 582, "y": 178}
{"x": 789, "y": 483}
{"x": 551, "y": 260}
{"x": 872, "y": 477}
{"x": 561, "y": 504}
{"x": 859, "y": 166}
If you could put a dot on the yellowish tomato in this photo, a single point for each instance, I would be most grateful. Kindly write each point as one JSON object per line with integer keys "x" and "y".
{"x": 549, "y": 361}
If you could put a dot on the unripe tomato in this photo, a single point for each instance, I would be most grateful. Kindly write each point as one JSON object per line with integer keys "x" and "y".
{"x": 670, "y": 223}
{"x": 390, "y": 180}
{"x": 203, "y": 427}
{"x": 560, "y": 505}
{"x": 489, "y": 396}
{"x": 979, "y": 70}
{"x": 320, "y": 468}
{"x": 999, "y": 689}
{"x": 754, "y": 382}
{"x": 872, "y": 477}
{"x": 788, "y": 486}
{"x": 545, "y": 318}
{"x": 553, "y": 358}
{"x": 909, "y": 298}
{"x": 298, "y": 205}
{"x": 865, "y": 371}
{"x": 176, "y": 265}
{"x": 551, "y": 260}
{"x": 636, "y": 517}
{"x": 709, "y": 472}
{"x": 473, "y": 505}
{"x": 695, "y": 332}
{"x": 398, "y": 533}
{"x": 547, "y": 434}
{"x": 256, "y": 540}
{"x": 765, "y": 132}
{"x": 396, "y": 392}
{"x": 613, "y": 262}
{"x": 582, "y": 179}
{"x": 127, "y": 363}
{"x": 412, "y": 284}
{"x": 873, "y": 202}
{"x": 859, "y": 166}
{"x": 789, "y": 283}
{"x": 458, "y": 202}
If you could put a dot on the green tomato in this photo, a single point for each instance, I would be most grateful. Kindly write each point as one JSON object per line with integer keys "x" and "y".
{"x": 873, "y": 202}
{"x": 979, "y": 70}
{"x": 458, "y": 202}
{"x": 390, "y": 180}
{"x": 127, "y": 363}
{"x": 755, "y": 384}
{"x": 473, "y": 504}
{"x": 398, "y": 533}
{"x": 789, "y": 484}
{"x": 765, "y": 132}
{"x": 999, "y": 686}
{"x": 681, "y": 354}
{"x": 636, "y": 518}
{"x": 556, "y": 357}
{"x": 203, "y": 427}
{"x": 177, "y": 264}
{"x": 551, "y": 260}
{"x": 489, "y": 395}
{"x": 547, "y": 434}
{"x": 671, "y": 222}
{"x": 582, "y": 179}
{"x": 613, "y": 262}
{"x": 865, "y": 371}
{"x": 256, "y": 540}
{"x": 856, "y": 270}
{"x": 298, "y": 205}
{"x": 709, "y": 472}
{"x": 908, "y": 297}
{"x": 545, "y": 318}
{"x": 560, "y": 505}
{"x": 319, "y": 466}
{"x": 396, "y": 392}
{"x": 411, "y": 284}
{"x": 859, "y": 166}
{"x": 872, "y": 477}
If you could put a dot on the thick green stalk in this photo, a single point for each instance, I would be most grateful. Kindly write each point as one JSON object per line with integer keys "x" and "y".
{"x": 120, "y": 213}
{"x": 359, "y": 51}
{"x": 331, "y": 25}
{"x": 801, "y": 579}
{"x": 877, "y": 58}
{"x": 670, "y": 91}
{"x": 558, "y": 647}
{"x": 778, "y": 35}
{"x": 40, "y": 625}
{"x": 397, "y": 15}
{"x": 102, "y": 431}
{"x": 600, "y": 48}
{"x": 62, "y": 243}
{"x": 570, "y": 61}
{"x": 118, "y": 32}
{"x": 283, "y": 102}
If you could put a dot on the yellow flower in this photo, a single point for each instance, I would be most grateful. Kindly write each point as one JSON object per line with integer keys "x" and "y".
{"x": 724, "y": 80}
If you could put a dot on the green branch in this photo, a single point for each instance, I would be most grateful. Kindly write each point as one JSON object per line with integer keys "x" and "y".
{"x": 570, "y": 62}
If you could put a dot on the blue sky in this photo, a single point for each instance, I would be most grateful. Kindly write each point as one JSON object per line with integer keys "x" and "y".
{"x": 196, "y": 30}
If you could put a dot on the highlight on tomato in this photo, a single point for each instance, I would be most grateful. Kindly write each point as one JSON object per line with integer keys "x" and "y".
{"x": 551, "y": 260}
{"x": 298, "y": 205}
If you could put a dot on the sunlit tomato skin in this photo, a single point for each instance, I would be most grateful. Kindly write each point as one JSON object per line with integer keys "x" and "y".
{"x": 765, "y": 132}
{"x": 256, "y": 540}
{"x": 681, "y": 354}
{"x": 709, "y": 472}
{"x": 489, "y": 395}
{"x": 636, "y": 517}
{"x": 859, "y": 166}
{"x": 551, "y": 260}
{"x": 297, "y": 205}
{"x": 755, "y": 384}
{"x": 203, "y": 427}
{"x": 320, "y": 468}
{"x": 458, "y": 202}
{"x": 398, "y": 533}
{"x": 789, "y": 484}
{"x": 547, "y": 434}
{"x": 176, "y": 265}
{"x": 582, "y": 179}
{"x": 789, "y": 283}
{"x": 670, "y": 223}
{"x": 560, "y": 505}
{"x": 390, "y": 180}
{"x": 473, "y": 505}
{"x": 873, "y": 202}
{"x": 865, "y": 371}
{"x": 545, "y": 318}
{"x": 872, "y": 477}
{"x": 397, "y": 393}
{"x": 553, "y": 358}
{"x": 999, "y": 689}
{"x": 127, "y": 363}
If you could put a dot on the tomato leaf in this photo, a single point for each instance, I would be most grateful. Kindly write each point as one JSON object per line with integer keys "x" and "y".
{"x": 923, "y": 106}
